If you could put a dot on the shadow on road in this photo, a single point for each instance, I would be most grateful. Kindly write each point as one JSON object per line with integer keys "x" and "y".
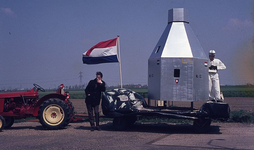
{"x": 137, "y": 127}
{"x": 26, "y": 127}
{"x": 83, "y": 128}
{"x": 33, "y": 128}
{"x": 157, "y": 128}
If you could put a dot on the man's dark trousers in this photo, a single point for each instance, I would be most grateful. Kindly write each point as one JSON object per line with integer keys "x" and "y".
{"x": 90, "y": 109}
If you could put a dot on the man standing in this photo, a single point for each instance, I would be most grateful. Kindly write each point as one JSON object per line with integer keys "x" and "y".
{"x": 93, "y": 97}
{"x": 214, "y": 82}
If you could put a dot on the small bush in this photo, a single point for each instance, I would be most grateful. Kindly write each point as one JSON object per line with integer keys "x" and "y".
{"x": 242, "y": 116}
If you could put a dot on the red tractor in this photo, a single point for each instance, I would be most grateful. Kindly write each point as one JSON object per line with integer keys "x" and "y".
{"x": 54, "y": 110}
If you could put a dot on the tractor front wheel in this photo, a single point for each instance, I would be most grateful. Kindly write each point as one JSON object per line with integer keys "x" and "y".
{"x": 9, "y": 121}
{"x": 54, "y": 114}
{"x": 2, "y": 123}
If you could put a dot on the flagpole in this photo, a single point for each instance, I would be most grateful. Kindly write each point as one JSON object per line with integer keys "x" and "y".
{"x": 119, "y": 59}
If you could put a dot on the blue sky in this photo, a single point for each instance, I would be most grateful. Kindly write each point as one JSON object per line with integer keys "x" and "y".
{"x": 42, "y": 41}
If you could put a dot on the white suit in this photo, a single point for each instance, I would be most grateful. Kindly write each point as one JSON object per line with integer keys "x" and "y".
{"x": 214, "y": 82}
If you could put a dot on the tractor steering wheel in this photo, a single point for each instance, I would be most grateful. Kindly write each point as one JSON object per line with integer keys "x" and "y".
{"x": 39, "y": 87}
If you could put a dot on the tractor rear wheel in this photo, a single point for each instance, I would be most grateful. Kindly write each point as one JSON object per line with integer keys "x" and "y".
{"x": 2, "y": 123}
{"x": 54, "y": 114}
{"x": 9, "y": 121}
{"x": 71, "y": 107}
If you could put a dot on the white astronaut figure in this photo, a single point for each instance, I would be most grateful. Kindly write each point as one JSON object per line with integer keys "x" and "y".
{"x": 214, "y": 82}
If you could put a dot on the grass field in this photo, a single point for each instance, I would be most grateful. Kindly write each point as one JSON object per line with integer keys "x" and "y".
{"x": 238, "y": 91}
{"x": 237, "y": 88}
{"x": 228, "y": 91}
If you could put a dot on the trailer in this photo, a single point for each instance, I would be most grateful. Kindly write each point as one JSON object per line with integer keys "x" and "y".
{"x": 125, "y": 106}
{"x": 177, "y": 71}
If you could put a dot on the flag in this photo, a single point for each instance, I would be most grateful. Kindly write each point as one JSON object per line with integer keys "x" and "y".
{"x": 103, "y": 52}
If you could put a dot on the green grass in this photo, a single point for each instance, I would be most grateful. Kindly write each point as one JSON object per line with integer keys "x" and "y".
{"x": 74, "y": 94}
{"x": 242, "y": 116}
{"x": 80, "y": 94}
{"x": 228, "y": 91}
{"x": 238, "y": 91}
{"x": 156, "y": 119}
{"x": 237, "y": 88}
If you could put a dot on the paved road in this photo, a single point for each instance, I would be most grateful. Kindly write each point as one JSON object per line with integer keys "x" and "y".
{"x": 30, "y": 135}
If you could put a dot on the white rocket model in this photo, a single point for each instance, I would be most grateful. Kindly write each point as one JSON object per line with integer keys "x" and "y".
{"x": 177, "y": 67}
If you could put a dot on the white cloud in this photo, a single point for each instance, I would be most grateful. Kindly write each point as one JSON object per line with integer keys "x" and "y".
{"x": 235, "y": 23}
{"x": 7, "y": 11}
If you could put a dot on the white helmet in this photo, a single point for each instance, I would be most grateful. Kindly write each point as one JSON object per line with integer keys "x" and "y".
{"x": 212, "y": 53}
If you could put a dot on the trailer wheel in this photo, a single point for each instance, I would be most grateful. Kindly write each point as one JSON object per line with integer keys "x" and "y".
{"x": 54, "y": 114}
{"x": 2, "y": 123}
{"x": 131, "y": 120}
{"x": 202, "y": 125}
{"x": 120, "y": 123}
{"x": 9, "y": 121}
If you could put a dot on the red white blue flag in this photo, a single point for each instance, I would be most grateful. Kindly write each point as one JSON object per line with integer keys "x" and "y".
{"x": 103, "y": 52}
